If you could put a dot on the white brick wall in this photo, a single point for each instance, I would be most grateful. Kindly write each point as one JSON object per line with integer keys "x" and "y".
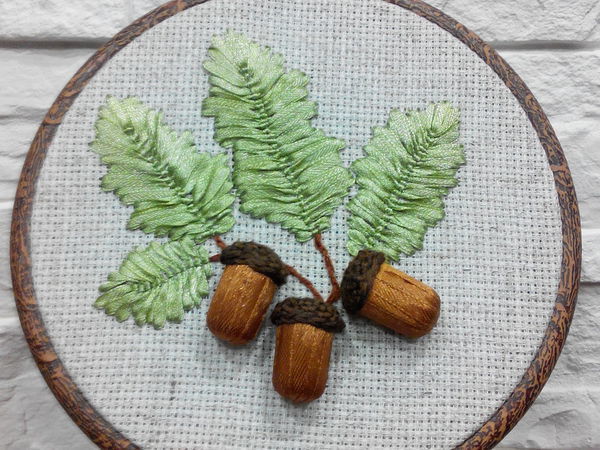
{"x": 527, "y": 21}
{"x": 554, "y": 46}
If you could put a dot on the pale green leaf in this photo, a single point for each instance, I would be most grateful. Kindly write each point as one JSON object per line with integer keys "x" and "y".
{"x": 285, "y": 171}
{"x": 157, "y": 283}
{"x": 411, "y": 164}
{"x": 174, "y": 189}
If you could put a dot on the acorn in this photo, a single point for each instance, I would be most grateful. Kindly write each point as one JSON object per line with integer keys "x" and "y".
{"x": 245, "y": 291}
{"x": 389, "y": 297}
{"x": 303, "y": 340}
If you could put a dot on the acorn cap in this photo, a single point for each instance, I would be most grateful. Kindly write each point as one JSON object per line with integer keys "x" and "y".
{"x": 359, "y": 278}
{"x": 259, "y": 257}
{"x": 310, "y": 311}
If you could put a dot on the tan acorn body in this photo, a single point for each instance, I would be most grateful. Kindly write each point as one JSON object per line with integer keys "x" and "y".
{"x": 402, "y": 303}
{"x": 301, "y": 363}
{"x": 252, "y": 274}
{"x": 303, "y": 341}
{"x": 240, "y": 304}
{"x": 388, "y": 296}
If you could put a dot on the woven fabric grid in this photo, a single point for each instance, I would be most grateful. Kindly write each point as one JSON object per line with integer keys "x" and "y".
{"x": 494, "y": 259}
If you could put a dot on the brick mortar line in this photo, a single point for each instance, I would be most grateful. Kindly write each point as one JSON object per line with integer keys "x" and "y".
{"x": 94, "y": 43}
{"x": 53, "y": 44}
{"x": 541, "y": 45}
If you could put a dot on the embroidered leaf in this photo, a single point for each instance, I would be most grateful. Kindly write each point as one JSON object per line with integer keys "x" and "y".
{"x": 410, "y": 165}
{"x": 157, "y": 283}
{"x": 285, "y": 171}
{"x": 175, "y": 190}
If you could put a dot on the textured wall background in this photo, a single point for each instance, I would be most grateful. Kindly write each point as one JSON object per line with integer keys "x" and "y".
{"x": 556, "y": 50}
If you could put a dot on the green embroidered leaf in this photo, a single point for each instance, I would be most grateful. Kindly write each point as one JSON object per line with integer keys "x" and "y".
{"x": 285, "y": 171}
{"x": 175, "y": 190}
{"x": 157, "y": 283}
{"x": 410, "y": 165}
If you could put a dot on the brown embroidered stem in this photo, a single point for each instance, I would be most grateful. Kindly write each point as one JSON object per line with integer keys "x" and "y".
{"x": 215, "y": 258}
{"x": 219, "y": 242}
{"x": 305, "y": 281}
{"x": 335, "y": 286}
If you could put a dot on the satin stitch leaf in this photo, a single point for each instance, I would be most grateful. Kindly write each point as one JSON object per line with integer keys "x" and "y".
{"x": 410, "y": 165}
{"x": 157, "y": 283}
{"x": 285, "y": 171}
{"x": 174, "y": 189}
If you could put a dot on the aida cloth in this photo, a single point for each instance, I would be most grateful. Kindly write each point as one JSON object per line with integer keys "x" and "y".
{"x": 494, "y": 259}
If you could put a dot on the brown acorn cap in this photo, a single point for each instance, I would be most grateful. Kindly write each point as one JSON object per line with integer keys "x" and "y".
{"x": 259, "y": 257}
{"x": 310, "y": 311}
{"x": 358, "y": 279}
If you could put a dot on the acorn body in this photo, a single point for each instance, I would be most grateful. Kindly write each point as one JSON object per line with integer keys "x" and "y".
{"x": 402, "y": 303}
{"x": 301, "y": 363}
{"x": 304, "y": 337}
{"x": 240, "y": 304}
{"x": 389, "y": 296}
{"x": 246, "y": 289}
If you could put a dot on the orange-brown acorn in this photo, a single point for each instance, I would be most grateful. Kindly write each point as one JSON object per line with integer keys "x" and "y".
{"x": 250, "y": 279}
{"x": 389, "y": 297}
{"x": 303, "y": 340}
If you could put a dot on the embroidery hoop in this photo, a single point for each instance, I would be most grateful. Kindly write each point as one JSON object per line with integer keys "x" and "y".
{"x": 101, "y": 431}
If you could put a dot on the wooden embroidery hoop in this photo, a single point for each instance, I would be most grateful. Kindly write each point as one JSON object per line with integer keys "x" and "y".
{"x": 101, "y": 431}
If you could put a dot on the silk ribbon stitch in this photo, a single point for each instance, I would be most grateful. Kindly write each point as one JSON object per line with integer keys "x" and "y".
{"x": 410, "y": 165}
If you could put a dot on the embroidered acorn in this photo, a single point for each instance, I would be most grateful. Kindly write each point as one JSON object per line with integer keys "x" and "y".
{"x": 389, "y": 297}
{"x": 251, "y": 277}
{"x": 303, "y": 340}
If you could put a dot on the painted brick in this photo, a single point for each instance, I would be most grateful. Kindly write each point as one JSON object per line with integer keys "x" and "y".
{"x": 567, "y": 411}
{"x": 518, "y": 20}
{"x": 565, "y": 82}
{"x": 61, "y": 19}
{"x": 32, "y": 78}
{"x": 508, "y": 20}
{"x": 567, "y": 85}
{"x": 590, "y": 270}
{"x": 33, "y": 419}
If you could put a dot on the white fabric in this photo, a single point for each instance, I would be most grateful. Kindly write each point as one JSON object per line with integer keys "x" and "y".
{"x": 494, "y": 259}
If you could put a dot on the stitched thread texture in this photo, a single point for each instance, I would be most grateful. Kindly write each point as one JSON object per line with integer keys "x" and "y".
{"x": 359, "y": 277}
{"x": 182, "y": 388}
{"x": 157, "y": 283}
{"x": 259, "y": 257}
{"x": 310, "y": 311}
{"x": 410, "y": 165}
{"x": 174, "y": 189}
{"x": 285, "y": 171}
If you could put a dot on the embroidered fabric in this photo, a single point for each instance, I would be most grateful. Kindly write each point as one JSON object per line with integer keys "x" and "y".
{"x": 174, "y": 189}
{"x": 409, "y": 168}
{"x": 358, "y": 279}
{"x": 310, "y": 311}
{"x": 494, "y": 259}
{"x": 157, "y": 283}
{"x": 262, "y": 113}
{"x": 259, "y": 257}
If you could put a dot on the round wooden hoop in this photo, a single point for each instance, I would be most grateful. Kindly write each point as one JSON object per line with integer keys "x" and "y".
{"x": 101, "y": 431}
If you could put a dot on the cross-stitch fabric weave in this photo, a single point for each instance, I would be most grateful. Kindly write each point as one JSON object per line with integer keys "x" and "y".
{"x": 494, "y": 259}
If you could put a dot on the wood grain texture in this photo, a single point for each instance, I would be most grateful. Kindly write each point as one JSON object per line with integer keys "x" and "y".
{"x": 401, "y": 303}
{"x": 239, "y": 304}
{"x": 301, "y": 362}
{"x": 102, "y": 432}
